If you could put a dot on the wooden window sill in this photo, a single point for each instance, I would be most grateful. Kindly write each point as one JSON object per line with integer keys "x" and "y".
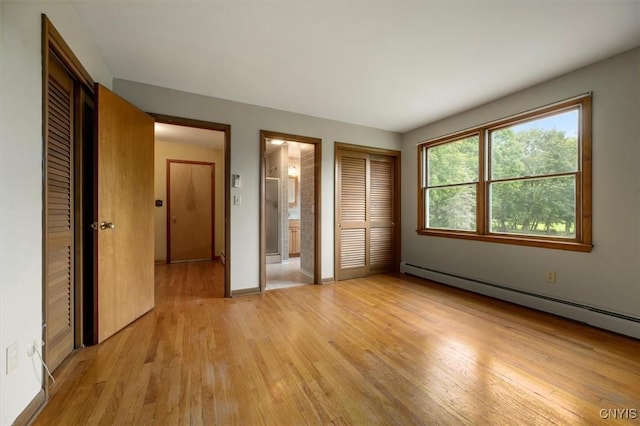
{"x": 520, "y": 240}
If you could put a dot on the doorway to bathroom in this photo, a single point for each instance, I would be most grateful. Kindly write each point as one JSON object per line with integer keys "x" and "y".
{"x": 289, "y": 213}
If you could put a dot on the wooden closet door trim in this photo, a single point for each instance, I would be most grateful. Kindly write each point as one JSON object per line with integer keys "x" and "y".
{"x": 371, "y": 154}
{"x": 53, "y": 42}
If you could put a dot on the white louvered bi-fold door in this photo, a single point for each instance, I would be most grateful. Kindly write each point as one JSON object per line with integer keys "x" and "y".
{"x": 364, "y": 214}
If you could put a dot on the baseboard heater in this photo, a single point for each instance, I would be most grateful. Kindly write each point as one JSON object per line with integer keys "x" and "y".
{"x": 597, "y": 317}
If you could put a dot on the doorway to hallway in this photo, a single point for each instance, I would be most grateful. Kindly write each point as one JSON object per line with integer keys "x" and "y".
{"x": 193, "y": 157}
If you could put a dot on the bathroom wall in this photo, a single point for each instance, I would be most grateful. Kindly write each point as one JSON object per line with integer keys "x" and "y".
{"x": 307, "y": 209}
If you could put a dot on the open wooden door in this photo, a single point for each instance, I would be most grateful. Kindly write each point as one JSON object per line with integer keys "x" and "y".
{"x": 125, "y": 233}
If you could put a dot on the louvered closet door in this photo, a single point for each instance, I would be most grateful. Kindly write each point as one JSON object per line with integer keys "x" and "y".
{"x": 351, "y": 233}
{"x": 381, "y": 221}
{"x": 365, "y": 228}
{"x": 59, "y": 330}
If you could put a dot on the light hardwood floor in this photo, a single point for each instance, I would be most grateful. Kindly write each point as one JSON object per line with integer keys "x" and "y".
{"x": 385, "y": 350}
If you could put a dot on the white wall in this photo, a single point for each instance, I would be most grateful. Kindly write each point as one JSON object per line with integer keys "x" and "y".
{"x": 609, "y": 276}
{"x": 21, "y": 184}
{"x": 246, "y": 122}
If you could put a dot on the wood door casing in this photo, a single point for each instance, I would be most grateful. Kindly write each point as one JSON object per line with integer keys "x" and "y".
{"x": 190, "y": 210}
{"x": 314, "y": 193}
{"x": 367, "y": 211}
{"x": 59, "y": 220}
{"x": 225, "y": 254}
{"x": 125, "y": 142}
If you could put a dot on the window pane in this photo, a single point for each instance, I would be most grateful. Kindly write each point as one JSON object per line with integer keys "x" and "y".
{"x": 454, "y": 162}
{"x": 544, "y": 207}
{"x": 539, "y": 147}
{"x": 452, "y": 208}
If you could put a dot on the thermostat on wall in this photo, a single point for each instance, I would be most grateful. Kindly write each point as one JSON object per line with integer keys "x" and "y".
{"x": 235, "y": 181}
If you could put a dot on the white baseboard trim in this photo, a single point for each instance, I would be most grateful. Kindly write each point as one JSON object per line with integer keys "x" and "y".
{"x": 593, "y": 316}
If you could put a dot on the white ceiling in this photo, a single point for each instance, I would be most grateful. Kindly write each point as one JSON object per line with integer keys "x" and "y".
{"x": 191, "y": 135}
{"x": 388, "y": 64}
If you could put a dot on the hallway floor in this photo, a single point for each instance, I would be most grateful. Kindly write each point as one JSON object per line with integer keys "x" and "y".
{"x": 205, "y": 276}
{"x": 286, "y": 274}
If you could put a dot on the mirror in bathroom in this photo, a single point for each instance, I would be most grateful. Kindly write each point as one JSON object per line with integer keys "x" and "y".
{"x": 293, "y": 190}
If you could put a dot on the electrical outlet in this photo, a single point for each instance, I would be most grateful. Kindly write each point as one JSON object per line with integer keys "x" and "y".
{"x": 31, "y": 349}
{"x": 551, "y": 276}
{"x": 12, "y": 357}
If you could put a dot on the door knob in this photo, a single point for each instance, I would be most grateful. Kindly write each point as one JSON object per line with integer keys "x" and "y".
{"x": 102, "y": 226}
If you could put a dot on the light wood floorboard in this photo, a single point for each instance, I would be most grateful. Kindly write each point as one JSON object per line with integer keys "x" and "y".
{"x": 388, "y": 350}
